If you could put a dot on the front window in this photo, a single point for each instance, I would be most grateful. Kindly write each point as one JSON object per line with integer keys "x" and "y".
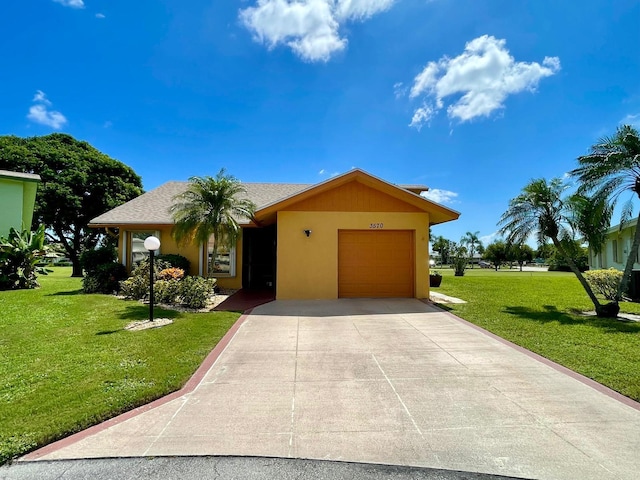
{"x": 138, "y": 252}
{"x": 224, "y": 265}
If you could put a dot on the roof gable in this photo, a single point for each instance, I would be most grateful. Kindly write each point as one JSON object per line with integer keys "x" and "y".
{"x": 352, "y": 197}
{"x": 324, "y": 196}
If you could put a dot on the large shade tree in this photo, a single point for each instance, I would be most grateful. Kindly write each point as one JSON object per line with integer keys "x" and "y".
{"x": 544, "y": 211}
{"x": 609, "y": 170}
{"x": 78, "y": 183}
{"x": 211, "y": 206}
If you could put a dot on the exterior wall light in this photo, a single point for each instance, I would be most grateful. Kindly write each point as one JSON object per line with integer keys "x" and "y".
{"x": 152, "y": 244}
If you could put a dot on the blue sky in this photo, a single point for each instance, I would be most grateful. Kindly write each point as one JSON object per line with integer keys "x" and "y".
{"x": 472, "y": 98}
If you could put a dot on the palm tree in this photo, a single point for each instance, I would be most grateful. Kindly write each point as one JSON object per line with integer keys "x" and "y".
{"x": 541, "y": 210}
{"x": 613, "y": 167}
{"x": 472, "y": 240}
{"x": 211, "y": 206}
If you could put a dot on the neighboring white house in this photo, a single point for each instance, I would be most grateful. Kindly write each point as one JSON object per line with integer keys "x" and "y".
{"x": 616, "y": 248}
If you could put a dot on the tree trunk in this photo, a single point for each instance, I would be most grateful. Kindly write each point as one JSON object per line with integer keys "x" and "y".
{"x": 76, "y": 267}
{"x": 631, "y": 259}
{"x": 600, "y": 310}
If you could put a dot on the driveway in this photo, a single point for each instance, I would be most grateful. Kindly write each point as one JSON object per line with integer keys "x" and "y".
{"x": 381, "y": 381}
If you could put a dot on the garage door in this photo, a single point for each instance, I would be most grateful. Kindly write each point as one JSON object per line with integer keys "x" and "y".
{"x": 375, "y": 263}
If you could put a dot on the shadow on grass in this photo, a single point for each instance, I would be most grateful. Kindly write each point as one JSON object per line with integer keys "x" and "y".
{"x": 141, "y": 312}
{"x": 108, "y": 332}
{"x": 443, "y": 306}
{"x": 550, "y": 313}
{"x": 70, "y": 292}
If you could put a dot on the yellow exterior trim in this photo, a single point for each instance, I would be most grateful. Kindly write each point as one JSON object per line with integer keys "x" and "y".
{"x": 308, "y": 266}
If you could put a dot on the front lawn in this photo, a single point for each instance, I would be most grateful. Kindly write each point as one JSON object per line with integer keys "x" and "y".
{"x": 67, "y": 362}
{"x": 541, "y": 312}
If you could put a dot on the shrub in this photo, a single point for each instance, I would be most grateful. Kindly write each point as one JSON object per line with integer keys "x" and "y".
{"x": 166, "y": 291}
{"x": 90, "y": 260}
{"x": 605, "y": 282}
{"x": 195, "y": 292}
{"x": 172, "y": 273}
{"x": 135, "y": 287}
{"x": 102, "y": 271}
{"x": 105, "y": 278}
{"x": 174, "y": 260}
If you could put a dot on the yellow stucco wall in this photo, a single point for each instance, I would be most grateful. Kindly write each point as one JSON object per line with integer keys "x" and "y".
{"x": 308, "y": 267}
{"x": 169, "y": 245}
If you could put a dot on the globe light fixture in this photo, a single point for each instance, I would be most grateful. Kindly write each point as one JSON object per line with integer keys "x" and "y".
{"x": 152, "y": 244}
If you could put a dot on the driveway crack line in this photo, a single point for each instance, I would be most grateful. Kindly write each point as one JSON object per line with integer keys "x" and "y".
{"x": 295, "y": 382}
{"x": 184, "y": 399}
{"x": 406, "y": 409}
{"x": 404, "y": 406}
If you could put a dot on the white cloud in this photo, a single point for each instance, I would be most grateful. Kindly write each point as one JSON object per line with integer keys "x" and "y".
{"x": 487, "y": 239}
{"x": 421, "y": 116}
{"x": 40, "y": 113}
{"x": 71, "y": 3}
{"x": 321, "y": 172}
{"x": 100, "y": 15}
{"x": 479, "y": 80}
{"x": 309, "y": 27}
{"x": 633, "y": 120}
{"x": 40, "y": 97}
{"x": 440, "y": 196}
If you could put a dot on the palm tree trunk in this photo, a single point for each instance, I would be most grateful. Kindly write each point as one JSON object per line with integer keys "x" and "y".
{"x": 576, "y": 271}
{"x": 631, "y": 259}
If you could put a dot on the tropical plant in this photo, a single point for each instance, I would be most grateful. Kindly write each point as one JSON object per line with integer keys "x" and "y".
{"x": 78, "y": 183}
{"x": 542, "y": 211}
{"x": 472, "y": 241}
{"x": 20, "y": 254}
{"x": 459, "y": 258}
{"x": 610, "y": 169}
{"x": 211, "y": 206}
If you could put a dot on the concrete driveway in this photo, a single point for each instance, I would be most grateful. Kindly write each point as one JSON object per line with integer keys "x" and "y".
{"x": 381, "y": 381}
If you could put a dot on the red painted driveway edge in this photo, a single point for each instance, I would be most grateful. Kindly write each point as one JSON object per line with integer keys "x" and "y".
{"x": 191, "y": 384}
{"x": 556, "y": 366}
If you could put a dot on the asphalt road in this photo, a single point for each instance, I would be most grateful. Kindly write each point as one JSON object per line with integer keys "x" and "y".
{"x": 227, "y": 468}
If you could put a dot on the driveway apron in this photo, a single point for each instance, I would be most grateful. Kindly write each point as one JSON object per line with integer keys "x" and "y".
{"x": 383, "y": 381}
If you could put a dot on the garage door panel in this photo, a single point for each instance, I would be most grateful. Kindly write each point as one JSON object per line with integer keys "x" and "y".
{"x": 375, "y": 263}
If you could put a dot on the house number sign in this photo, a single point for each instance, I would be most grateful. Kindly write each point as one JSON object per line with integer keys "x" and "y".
{"x": 376, "y": 225}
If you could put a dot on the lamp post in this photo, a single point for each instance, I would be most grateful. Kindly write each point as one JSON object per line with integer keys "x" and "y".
{"x": 152, "y": 244}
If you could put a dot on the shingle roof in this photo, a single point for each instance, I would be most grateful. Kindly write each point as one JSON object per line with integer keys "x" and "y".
{"x": 153, "y": 207}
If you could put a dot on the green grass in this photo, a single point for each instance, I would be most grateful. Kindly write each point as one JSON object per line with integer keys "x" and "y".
{"x": 541, "y": 311}
{"x": 67, "y": 362}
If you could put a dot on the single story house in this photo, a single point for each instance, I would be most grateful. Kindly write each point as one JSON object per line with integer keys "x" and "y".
{"x": 18, "y": 198}
{"x": 353, "y": 235}
{"x": 616, "y": 248}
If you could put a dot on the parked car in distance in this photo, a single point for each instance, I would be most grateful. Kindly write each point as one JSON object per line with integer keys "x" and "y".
{"x": 484, "y": 264}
